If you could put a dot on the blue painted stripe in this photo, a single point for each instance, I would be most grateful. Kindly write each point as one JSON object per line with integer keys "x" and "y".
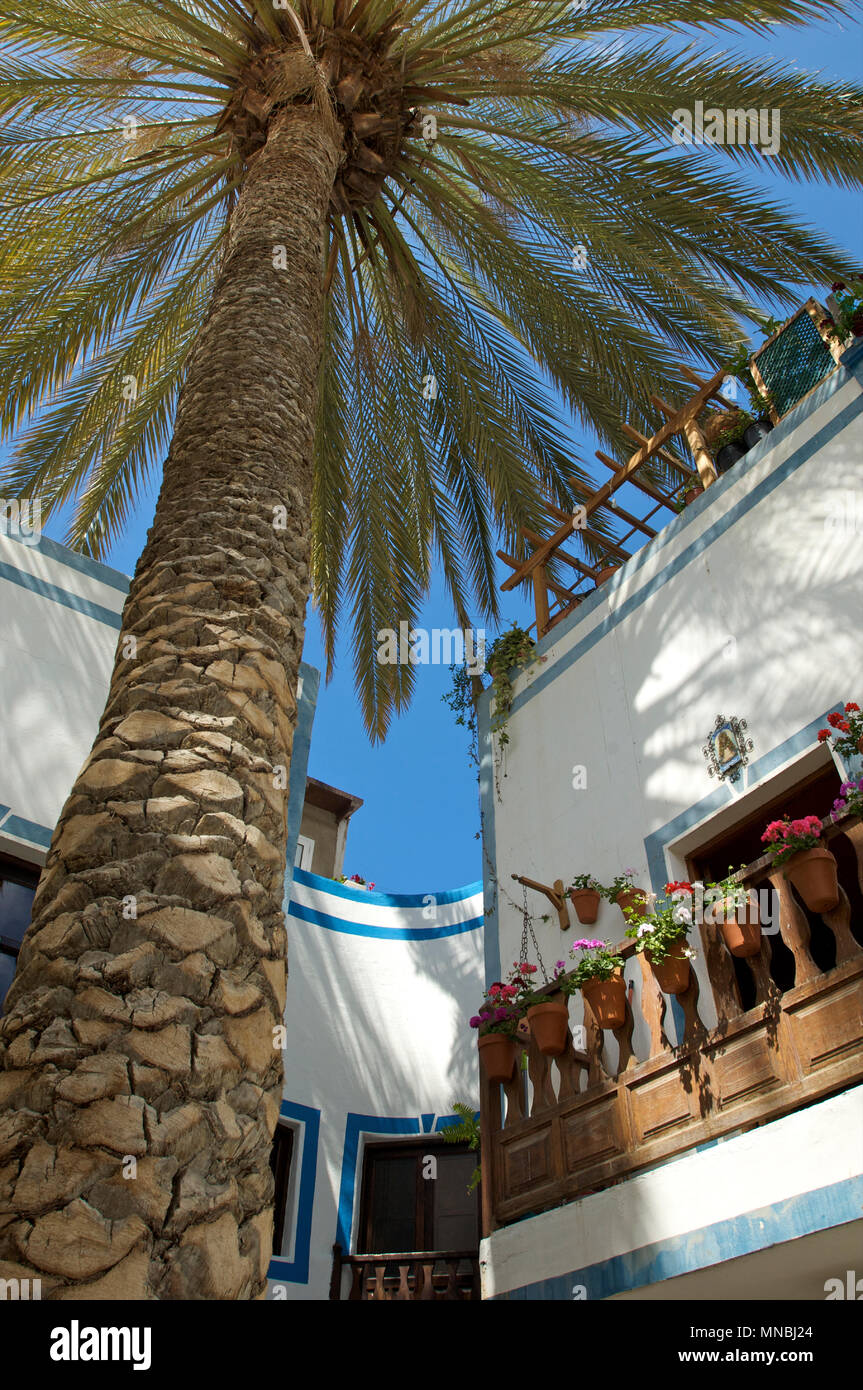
{"x": 61, "y": 596}
{"x": 28, "y": 830}
{"x": 342, "y": 924}
{"x": 671, "y": 532}
{"x": 802, "y": 1215}
{"x": 296, "y": 1271}
{"x": 355, "y": 1125}
{"x": 73, "y": 560}
{"x": 355, "y": 895}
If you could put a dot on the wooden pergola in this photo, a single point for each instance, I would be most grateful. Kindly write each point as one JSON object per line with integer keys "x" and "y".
{"x": 683, "y": 421}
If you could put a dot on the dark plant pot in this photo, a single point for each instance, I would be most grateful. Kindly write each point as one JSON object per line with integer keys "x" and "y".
{"x": 607, "y": 999}
{"x": 497, "y": 1053}
{"x": 756, "y": 432}
{"x": 813, "y": 873}
{"x": 549, "y": 1024}
{"x": 586, "y": 903}
{"x": 672, "y": 974}
{"x": 728, "y": 455}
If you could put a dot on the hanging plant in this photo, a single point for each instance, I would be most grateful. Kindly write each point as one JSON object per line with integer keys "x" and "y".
{"x": 511, "y": 651}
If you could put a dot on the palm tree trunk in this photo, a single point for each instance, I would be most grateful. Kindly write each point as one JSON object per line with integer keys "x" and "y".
{"x": 142, "y": 1068}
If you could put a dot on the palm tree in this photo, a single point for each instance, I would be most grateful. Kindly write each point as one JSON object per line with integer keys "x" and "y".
{"x": 323, "y": 257}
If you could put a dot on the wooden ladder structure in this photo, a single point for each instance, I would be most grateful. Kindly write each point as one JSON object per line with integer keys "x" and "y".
{"x": 683, "y": 421}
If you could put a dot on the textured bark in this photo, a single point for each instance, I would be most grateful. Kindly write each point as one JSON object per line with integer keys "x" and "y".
{"x": 140, "y": 1024}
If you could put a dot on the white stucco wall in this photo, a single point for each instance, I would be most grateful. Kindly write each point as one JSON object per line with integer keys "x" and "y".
{"x": 59, "y": 625}
{"x": 747, "y": 605}
{"x": 378, "y": 1047}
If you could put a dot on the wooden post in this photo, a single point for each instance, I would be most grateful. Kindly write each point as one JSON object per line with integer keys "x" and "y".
{"x": 540, "y": 599}
{"x": 700, "y": 452}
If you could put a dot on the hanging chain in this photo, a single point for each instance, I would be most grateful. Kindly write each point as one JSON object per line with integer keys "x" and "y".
{"x": 527, "y": 926}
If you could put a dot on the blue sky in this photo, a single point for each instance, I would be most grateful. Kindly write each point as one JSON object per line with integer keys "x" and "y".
{"x": 418, "y": 828}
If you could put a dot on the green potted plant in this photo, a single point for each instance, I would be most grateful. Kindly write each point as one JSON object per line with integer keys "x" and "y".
{"x": 628, "y": 898}
{"x": 497, "y": 1024}
{"x": 585, "y": 894}
{"x": 466, "y": 1131}
{"x": 599, "y": 976}
{"x": 846, "y": 729}
{"x": 547, "y": 1015}
{"x": 809, "y": 865}
{"x": 734, "y": 910}
{"x": 687, "y": 492}
{"x": 760, "y": 402}
{"x": 662, "y": 937}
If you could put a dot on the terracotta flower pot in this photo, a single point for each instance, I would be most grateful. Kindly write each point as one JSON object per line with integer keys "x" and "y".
{"x": 607, "y": 999}
{"x": 631, "y": 898}
{"x": 549, "y": 1024}
{"x": 672, "y": 974}
{"x": 586, "y": 903}
{"x": 606, "y": 573}
{"x": 740, "y": 927}
{"x": 690, "y": 496}
{"x": 813, "y": 873}
{"x": 497, "y": 1053}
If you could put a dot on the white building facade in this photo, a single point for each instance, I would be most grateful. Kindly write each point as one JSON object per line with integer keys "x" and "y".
{"x": 747, "y": 606}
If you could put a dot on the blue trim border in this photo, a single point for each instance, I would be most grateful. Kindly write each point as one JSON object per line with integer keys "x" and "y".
{"x": 362, "y": 895}
{"x": 355, "y": 1125}
{"x": 74, "y": 560}
{"x": 803, "y": 1215}
{"x": 62, "y": 596}
{"x": 349, "y": 928}
{"x": 296, "y": 1271}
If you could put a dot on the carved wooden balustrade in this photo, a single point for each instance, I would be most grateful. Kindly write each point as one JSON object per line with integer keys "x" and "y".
{"x": 447, "y": 1275}
{"x": 789, "y": 1030}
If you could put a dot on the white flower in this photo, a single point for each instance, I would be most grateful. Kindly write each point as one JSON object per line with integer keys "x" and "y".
{"x": 645, "y": 929}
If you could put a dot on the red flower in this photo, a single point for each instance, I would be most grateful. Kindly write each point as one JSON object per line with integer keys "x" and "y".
{"x": 835, "y": 719}
{"x": 823, "y": 735}
{"x": 849, "y": 708}
{"x": 844, "y": 726}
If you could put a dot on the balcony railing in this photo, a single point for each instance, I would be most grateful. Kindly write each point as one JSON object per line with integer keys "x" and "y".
{"x": 445, "y": 1275}
{"x": 789, "y": 1030}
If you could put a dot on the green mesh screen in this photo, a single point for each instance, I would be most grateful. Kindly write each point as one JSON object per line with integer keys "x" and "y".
{"x": 794, "y": 362}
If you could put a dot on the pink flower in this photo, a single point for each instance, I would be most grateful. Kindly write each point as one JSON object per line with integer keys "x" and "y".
{"x": 586, "y": 944}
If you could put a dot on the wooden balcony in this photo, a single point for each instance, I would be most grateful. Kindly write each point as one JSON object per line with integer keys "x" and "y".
{"x": 575, "y": 1124}
{"x": 446, "y": 1275}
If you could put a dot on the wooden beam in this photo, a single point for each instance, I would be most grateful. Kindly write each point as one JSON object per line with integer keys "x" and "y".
{"x": 566, "y": 595}
{"x": 662, "y": 436}
{"x": 540, "y": 599}
{"x": 560, "y": 515}
{"x": 584, "y": 531}
{"x": 663, "y": 498}
{"x": 663, "y": 453}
